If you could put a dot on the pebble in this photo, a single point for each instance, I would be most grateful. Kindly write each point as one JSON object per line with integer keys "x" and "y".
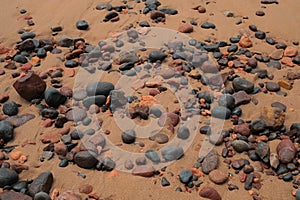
{"x": 227, "y": 100}
{"x": 273, "y": 117}
{"x": 41, "y": 53}
{"x": 155, "y": 112}
{"x": 111, "y": 15}
{"x": 85, "y": 188}
{"x": 42, "y": 183}
{"x": 260, "y": 35}
{"x": 71, "y": 64}
{"x": 242, "y": 129}
{"x": 76, "y": 114}
{"x": 30, "y": 86}
{"x": 69, "y": 195}
{"x": 128, "y": 164}
{"x": 277, "y": 54}
{"x": 248, "y": 182}
{"x": 274, "y": 161}
{"x": 290, "y": 51}
{"x": 262, "y": 150}
{"x": 54, "y": 98}
{"x": 183, "y": 132}
{"x": 286, "y": 151}
{"x": 220, "y": 112}
{"x": 41, "y": 196}
{"x": 209, "y": 193}
{"x": 241, "y": 98}
{"x": 218, "y": 176}
{"x": 128, "y": 136}
{"x": 260, "y": 13}
{"x": 85, "y": 159}
{"x": 270, "y": 40}
{"x": 140, "y": 161}
{"x": 152, "y": 155}
{"x": 79, "y": 95}
{"x": 6, "y": 131}
{"x": 240, "y": 146}
{"x": 208, "y": 25}
{"x": 185, "y": 176}
{"x": 298, "y": 194}
{"x": 98, "y": 100}
{"x": 8, "y": 177}
{"x": 157, "y": 14}
{"x": 171, "y": 153}
{"x": 143, "y": 170}
{"x": 10, "y": 108}
{"x": 165, "y": 182}
{"x": 274, "y": 64}
{"x": 82, "y": 25}
{"x": 272, "y": 86}
{"x": 99, "y": 88}
{"x": 186, "y": 28}
{"x": 210, "y": 162}
{"x": 157, "y": 56}
{"x": 108, "y": 164}
{"x": 242, "y": 84}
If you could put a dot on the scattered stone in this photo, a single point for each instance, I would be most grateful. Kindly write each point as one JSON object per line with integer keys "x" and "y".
{"x": 128, "y": 136}
{"x": 8, "y": 177}
{"x": 143, "y": 170}
{"x": 240, "y": 146}
{"x": 286, "y": 151}
{"x": 99, "y": 88}
{"x": 76, "y": 114}
{"x": 186, "y": 28}
{"x": 209, "y": 193}
{"x": 290, "y": 51}
{"x": 218, "y": 176}
{"x": 183, "y": 132}
{"x": 153, "y": 156}
{"x": 272, "y": 86}
{"x": 274, "y": 161}
{"x": 241, "y": 98}
{"x": 245, "y": 42}
{"x": 210, "y": 162}
{"x": 42, "y": 183}
{"x": 242, "y": 84}
{"x": 185, "y": 176}
{"x": 30, "y": 86}
{"x": 85, "y": 159}
{"x": 220, "y": 112}
{"x": 273, "y": 117}
{"x": 12, "y": 195}
{"x": 82, "y": 25}
{"x": 6, "y": 131}
{"x": 54, "y": 98}
{"x": 10, "y": 108}
{"x": 171, "y": 153}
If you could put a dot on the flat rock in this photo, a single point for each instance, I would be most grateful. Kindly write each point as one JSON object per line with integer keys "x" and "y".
{"x": 242, "y": 84}
{"x": 54, "y": 98}
{"x": 6, "y": 131}
{"x": 241, "y": 98}
{"x": 19, "y": 120}
{"x": 209, "y": 193}
{"x": 171, "y": 153}
{"x": 8, "y": 177}
{"x": 85, "y": 159}
{"x": 240, "y": 146}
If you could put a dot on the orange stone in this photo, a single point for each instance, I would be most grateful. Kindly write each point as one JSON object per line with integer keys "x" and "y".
{"x": 287, "y": 61}
{"x": 290, "y": 51}
{"x": 284, "y": 84}
{"x": 15, "y": 155}
{"x": 35, "y": 60}
{"x": 245, "y": 42}
{"x": 50, "y": 137}
{"x": 186, "y": 28}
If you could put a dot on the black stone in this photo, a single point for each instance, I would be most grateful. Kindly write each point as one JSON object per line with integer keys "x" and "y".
{"x": 7, "y": 177}
{"x": 71, "y": 64}
{"x": 227, "y": 100}
{"x": 208, "y": 25}
{"x": 10, "y": 108}
{"x": 111, "y": 15}
{"x": 99, "y": 100}
{"x": 20, "y": 59}
{"x": 242, "y": 84}
{"x": 49, "y": 113}
{"x": 99, "y": 88}
{"x": 183, "y": 132}
{"x": 41, "y": 53}
{"x": 28, "y": 35}
{"x": 164, "y": 182}
{"x": 54, "y": 98}
{"x": 128, "y": 136}
{"x": 42, "y": 183}
{"x": 260, "y": 35}
{"x": 6, "y": 131}
{"x": 220, "y": 112}
{"x": 270, "y": 40}
{"x": 157, "y": 55}
{"x": 185, "y": 176}
{"x": 82, "y": 25}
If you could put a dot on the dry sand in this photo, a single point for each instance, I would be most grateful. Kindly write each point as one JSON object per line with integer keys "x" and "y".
{"x": 281, "y": 21}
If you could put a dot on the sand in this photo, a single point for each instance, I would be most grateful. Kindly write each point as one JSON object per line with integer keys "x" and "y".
{"x": 281, "y": 22}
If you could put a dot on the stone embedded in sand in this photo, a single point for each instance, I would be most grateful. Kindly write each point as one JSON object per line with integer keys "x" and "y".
{"x": 185, "y": 176}
{"x": 157, "y": 56}
{"x": 50, "y": 137}
{"x": 168, "y": 119}
{"x": 241, "y": 98}
{"x": 82, "y": 25}
{"x": 286, "y": 151}
{"x": 30, "y": 86}
{"x": 10, "y": 108}
{"x": 12, "y": 195}
{"x": 6, "y": 131}
{"x": 99, "y": 100}
{"x": 157, "y": 14}
{"x": 210, "y": 193}
{"x": 210, "y": 162}
{"x": 262, "y": 150}
{"x": 60, "y": 149}
{"x": 160, "y": 138}
{"x": 290, "y": 51}
{"x": 272, "y": 86}
{"x": 245, "y": 42}
{"x": 153, "y": 156}
{"x": 242, "y": 129}
{"x": 42, "y": 183}
{"x": 218, "y": 176}
{"x": 220, "y": 112}
{"x": 240, "y": 146}
{"x": 242, "y": 84}
{"x": 86, "y": 159}
{"x": 7, "y": 177}
{"x": 273, "y": 117}
{"x": 287, "y": 61}
{"x": 277, "y": 54}
{"x": 85, "y": 188}
{"x": 171, "y": 153}
{"x": 68, "y": 195}
{"x": 143, "y": 170}
{"x": 186, "y": 28}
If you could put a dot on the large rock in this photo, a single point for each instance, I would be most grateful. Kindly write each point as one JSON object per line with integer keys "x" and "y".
{"x": 242, "y": 84}
{"x": 8, "y": 177}
{"x": 42, "y": 183}
{"x": 30, "y": 86}
{"x": 286, "y": 151}
{"x": 210, "y": 193}
{"x": 12, "y": 195}
{"x": 85, "y": 159}
{"x": 143, "y": 170}
{"x": 273, "y": 117}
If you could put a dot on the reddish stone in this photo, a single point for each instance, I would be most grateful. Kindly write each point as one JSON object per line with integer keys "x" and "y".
{"x": 186, "y": 28}
{"x": 210, "y": 193}
{"x": 286, "y": 151}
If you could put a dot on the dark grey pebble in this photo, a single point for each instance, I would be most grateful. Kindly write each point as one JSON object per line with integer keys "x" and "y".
{"x": 183, "y": 132}
{"x": 171, "y": 153}
{"x": 49, "y": 113}
{"x": 126, "y": 66}
{"x": 253, "y": 28}
{"x": 85, "y": 159}
{"x": 20, "y": 59}
{"x": 232, "y": 48}
{"x": 169, "y": 11}
{"x": 208, "y": 25}
{"x": 86, "y": 121}
{"x": 10, "y": 108}
{"x": 76, "y": 134}
{"x": 248, "y": 182}
{"x": 220, "y": 112}
{"x": 157, "y": 55}
{"x": 42, "y": 183}
{"x": 42, "y": 196}
{"x": 82, "y": 25}
{"x": 8, "y": 177}
{"x": 71, "y": 63}
{"x": 260, "y": 35}
{"x": 41, "y": 53}
{"x": 6, "y": 131}
{"x": 28, "y": 35}
{"x": 281, "y": 45}
{"x": 270, "y": 40}
{"x": 119, "y": 43}
{"x": 19, "y": 186}
{"x": 257, "y": 126}
{"x": 185, "y": 176}
{"x": 108, "y": 164}
{"x": 227, "y": 100}
{"x": 99, "y": 100}
{"x": 63, "y": 163}
{"x": 260, "y": 13}
{"x": 153, "y": 156}
{"x": 242, "y": 84}
{"x": 128, "y": 136}
{"x": 54, "y": 98}
{"x": 99, "y": 88}
{"x": 144, "y": 24}
{"x": 111, "y": 15}
{"x": 274, "y": 64}
{"x": 164, "y": 182}
{"x": 240, "y": 146}
{"x": 155, "y": 112}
